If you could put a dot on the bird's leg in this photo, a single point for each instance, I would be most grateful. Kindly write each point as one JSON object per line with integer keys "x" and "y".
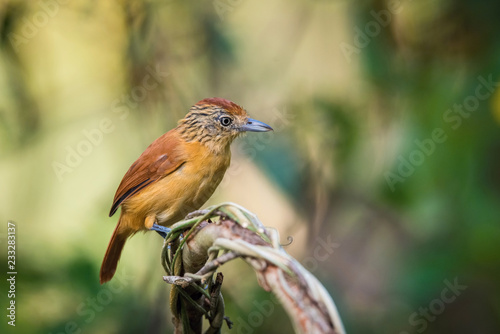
{"x": 150, "y": 223}
{"x": 161, "y": 230}
{"x": 196, "y": 213}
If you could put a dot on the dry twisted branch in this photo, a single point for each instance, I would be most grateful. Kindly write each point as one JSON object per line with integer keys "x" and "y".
{"x": 235, "y": 233}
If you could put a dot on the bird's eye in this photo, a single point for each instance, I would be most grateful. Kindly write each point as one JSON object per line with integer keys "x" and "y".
{"x": 225, "y": 121}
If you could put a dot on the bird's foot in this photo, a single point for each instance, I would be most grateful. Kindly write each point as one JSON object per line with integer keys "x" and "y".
{"x": 196, "y": 213}
{"x": 161, "y": 230}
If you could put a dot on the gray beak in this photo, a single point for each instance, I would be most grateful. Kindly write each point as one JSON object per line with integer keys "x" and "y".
{"x": 254, "y": 125}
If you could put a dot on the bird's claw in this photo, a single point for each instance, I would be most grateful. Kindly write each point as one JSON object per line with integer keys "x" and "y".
{"x": 161, "y": 230}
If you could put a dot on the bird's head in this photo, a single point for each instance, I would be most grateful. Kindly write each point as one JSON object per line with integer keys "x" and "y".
{"x": 216, "y": 122}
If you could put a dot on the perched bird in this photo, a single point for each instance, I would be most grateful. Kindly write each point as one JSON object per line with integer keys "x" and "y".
{"x": 177, "y": 173}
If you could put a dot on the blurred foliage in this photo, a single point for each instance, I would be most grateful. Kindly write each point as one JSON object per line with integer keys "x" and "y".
{"x": 344, "y": 120}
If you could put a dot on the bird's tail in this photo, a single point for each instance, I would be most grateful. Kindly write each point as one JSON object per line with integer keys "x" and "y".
{"x": 115, "y": 247}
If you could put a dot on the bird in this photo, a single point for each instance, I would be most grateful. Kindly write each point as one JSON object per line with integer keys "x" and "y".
{"x": 177, "y": 173}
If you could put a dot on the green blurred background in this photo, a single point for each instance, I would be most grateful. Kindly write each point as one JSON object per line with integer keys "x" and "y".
{"x": 384, "y": 166}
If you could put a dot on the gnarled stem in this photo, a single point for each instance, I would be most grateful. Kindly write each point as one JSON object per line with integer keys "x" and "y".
{"x": 224, "y": 233}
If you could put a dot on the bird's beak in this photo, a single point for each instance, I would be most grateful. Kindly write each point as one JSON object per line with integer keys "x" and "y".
{"x": 254, "y": 125}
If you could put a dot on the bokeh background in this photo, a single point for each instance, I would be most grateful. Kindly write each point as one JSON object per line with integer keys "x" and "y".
{"x": 383, "y": 167}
